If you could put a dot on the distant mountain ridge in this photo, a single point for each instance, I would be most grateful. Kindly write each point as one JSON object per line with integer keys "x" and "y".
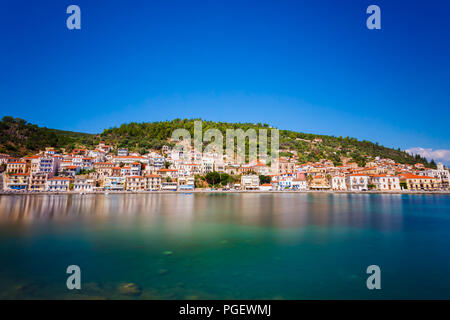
{"x": 19, "y": 138}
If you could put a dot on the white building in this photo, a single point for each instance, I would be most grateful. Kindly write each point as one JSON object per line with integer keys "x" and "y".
{"x": 357, "y": 182}
{"x": 114, "y": 183}
{"x": 338, "y": 183}
{"x": 384, "y": 182}
{"x": 285, "y": 183}
{"x": 153, "y": 182}
{"x": 266, "y": 187}
{"x": 135, "y": 183}
{"x": 60, "y": 184}
{"x": 440, "y": 173}
{"x": 186, "y": 183}
{"x": 169, "y": 186}
{"x": 83, "y": 184}
{"x": 300, "y": 184}
{"x": 45, "y": 164}
{"x": 250, "y": 182}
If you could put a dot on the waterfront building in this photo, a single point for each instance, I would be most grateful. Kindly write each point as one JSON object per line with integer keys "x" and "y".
{"x": 60, "y": 184}
{"x": 441, "y": 174}
{"x": 114, "y": 183}
{"x": 418, "y": 183}
{"x": 83, "y": 184}
{"x": 250, "y": 182}
{"x": 338, "y": 183}
{"x": 357, "y": 182}
{"x": 38, "y": 181}
{"x": 300, "y": 183}
{"x": 383, "y": 182}
{"x": 169, "y": 186}
{"x": 319, "y": 182}
{"x": 266, "y": 187}
{"x": 285, "y": 183}
{"x": 186, "y": 183}
{"x": 135, "y": 183}
{"x": 152, "y": 182}
{"x": 16, "y": 181}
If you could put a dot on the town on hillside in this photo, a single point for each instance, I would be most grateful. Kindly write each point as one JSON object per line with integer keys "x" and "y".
{"x": 108, "y": 169}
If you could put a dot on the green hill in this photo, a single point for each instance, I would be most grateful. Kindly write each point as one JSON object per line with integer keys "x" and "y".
{"x": 142, "y": 136}
{"x": 20, "y": 138}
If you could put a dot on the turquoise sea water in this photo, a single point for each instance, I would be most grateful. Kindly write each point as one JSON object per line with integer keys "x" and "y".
{"x": 225, "y": 246}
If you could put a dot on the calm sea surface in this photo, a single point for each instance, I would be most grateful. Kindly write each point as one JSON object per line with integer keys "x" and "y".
{"x": 225, "y": 246}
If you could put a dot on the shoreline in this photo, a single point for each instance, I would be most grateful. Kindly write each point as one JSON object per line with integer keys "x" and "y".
{"x": 26, "y": 193}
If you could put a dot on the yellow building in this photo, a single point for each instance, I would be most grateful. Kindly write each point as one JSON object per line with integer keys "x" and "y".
{"x": 319, "y": 182}
{"x": 414, "y": 182}
{"x": 16, "y": 181}
{"x": 16, "y": 167}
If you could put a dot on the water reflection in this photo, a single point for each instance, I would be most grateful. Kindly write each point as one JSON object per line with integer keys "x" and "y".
{"x": 235, "y": 246}
{"x": 177, "y": 212}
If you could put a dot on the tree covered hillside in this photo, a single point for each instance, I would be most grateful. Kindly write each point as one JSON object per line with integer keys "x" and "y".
{"x": 18, "y": 138}
{"x": 308, "y": 147}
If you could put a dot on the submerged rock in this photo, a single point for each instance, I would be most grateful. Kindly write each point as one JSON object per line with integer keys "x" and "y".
{"x": 129, "y": 289}
{"x": 162, "y": 272}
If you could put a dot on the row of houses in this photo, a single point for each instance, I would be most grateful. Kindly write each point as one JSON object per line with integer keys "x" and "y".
{"x": 351, "y": 182}
{"x": 174, "y": 169}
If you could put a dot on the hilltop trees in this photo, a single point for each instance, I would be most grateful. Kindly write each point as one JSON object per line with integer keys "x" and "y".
{"x": 17, "y": 137}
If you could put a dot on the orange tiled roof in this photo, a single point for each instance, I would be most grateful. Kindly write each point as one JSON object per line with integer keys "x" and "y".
{"x": 413, "y": 176}
{"x": 153, "y": 176}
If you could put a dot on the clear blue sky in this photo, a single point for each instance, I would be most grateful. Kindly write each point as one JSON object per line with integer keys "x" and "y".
{"x": 310, "y": 66}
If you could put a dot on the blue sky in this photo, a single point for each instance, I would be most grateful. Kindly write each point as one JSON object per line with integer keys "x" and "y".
{"x": 310, "y": 66}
